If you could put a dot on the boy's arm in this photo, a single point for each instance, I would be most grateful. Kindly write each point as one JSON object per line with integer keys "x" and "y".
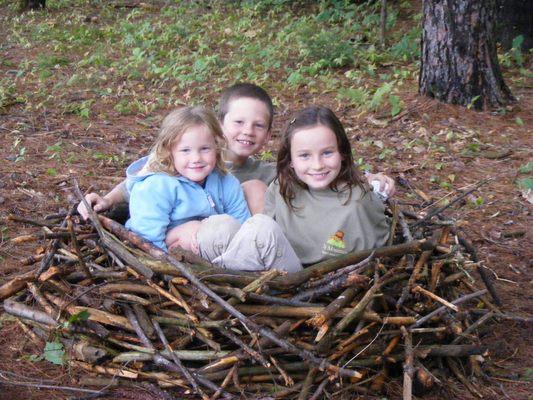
{"x": 117, "y": 195}
{"x": 234, "y": 201}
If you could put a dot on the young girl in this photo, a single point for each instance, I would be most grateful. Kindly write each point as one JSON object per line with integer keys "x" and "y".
{"x": 319, "y": 198}
{"x": 177, "y": 190}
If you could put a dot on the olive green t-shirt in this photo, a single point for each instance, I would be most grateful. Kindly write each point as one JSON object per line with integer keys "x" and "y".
{"x": 253, "y": 169}
{"x": 326, "y": 224}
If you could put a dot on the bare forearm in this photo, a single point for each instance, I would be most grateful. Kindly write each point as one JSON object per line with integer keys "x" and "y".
{"x": 117, "y": 195}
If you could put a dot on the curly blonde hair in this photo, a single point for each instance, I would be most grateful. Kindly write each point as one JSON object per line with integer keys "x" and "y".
{"x": 173, "y": 127}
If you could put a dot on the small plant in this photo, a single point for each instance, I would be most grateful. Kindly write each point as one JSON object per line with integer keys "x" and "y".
{"x": 355, "y": 96}
{"x": 20, "y": 150}
{"x": 4, "y": 236}
{"x": 54, "y": 352}
{"x": 124, "y": 107}
{"x": 55, "y": 151}
{"x": 526, "y": 169}
{"x": 82, "y": 109}
{"x": 266, "y": 155}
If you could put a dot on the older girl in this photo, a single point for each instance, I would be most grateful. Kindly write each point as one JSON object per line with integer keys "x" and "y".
{"x": 319, "y": 199}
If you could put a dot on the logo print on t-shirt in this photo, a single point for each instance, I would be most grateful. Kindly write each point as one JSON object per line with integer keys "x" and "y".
{"x": 335, "y": 245}
{"x": 336, "y": 240}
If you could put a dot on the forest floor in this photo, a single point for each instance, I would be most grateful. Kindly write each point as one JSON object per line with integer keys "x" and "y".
{"x": 439, "y": 149}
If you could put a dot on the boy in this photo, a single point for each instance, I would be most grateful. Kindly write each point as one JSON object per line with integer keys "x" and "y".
{"x": 245, "y": 113}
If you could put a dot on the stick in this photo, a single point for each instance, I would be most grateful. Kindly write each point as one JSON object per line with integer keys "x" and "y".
{"x": 23, "y": 311}
{"x": 334, "y": 307}
{"x": 451, "y": 203}
{"x": 16, "y": 284}
{"x": 177, "y": 361}
{"x": 416, "y": 270}
{"x": 334, "y": 285}
{"x": 481, "y": 269}
{"x": 318, "y": 270}
{"x": 346, "y": 270}
{"x": 52, "y": 248}
{"x": 433, "y": 296}
{"x": 462, "y": 378}
{"x": 443, "y": 308}
{"x": 76, "y": 245}
{"x": 308, "y": 382}
{"x": 408, "y": 369}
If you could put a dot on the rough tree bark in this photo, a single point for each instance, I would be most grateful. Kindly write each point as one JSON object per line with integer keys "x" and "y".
{"x": 459, "y": 63}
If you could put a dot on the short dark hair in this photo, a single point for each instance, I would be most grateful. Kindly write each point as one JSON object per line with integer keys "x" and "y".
{"x": 240, "y": 90}
{"x": 310, "y": 117}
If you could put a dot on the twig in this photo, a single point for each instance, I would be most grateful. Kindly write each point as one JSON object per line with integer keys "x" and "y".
{"x": 443, "y": 308}
{"x": 177, "y": 361}
{"x": 408, "y": 368}
{"x": 433, "y": 296}
{"x": 451, "y": 203}
{"x": 52, "y": 248}
{"x": 6, "y": 381}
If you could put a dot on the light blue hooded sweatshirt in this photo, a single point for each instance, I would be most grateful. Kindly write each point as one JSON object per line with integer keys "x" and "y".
{"x": 159, "y": 202}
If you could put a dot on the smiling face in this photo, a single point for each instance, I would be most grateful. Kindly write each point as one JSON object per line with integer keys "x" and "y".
{"x": 246, "y": 128}
{"x": 315, "y": 156}
{"x": 194, "y": 155}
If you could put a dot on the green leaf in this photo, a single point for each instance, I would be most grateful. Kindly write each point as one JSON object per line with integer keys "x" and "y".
{"x": 79, "y": 317}
{"x": 54, "y": 352}
{"x": 525, "y": 183}
{"x": 51, "y": 172}
{"x": 526, "y": 169}
{"x": 395, "y": 102}
{"x": 519, "y": 121}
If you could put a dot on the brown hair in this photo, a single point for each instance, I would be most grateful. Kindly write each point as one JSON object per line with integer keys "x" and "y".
{"x": 240, "y": 90}
{"x": 310, "y": 117}
{"x": 173, "y": 127}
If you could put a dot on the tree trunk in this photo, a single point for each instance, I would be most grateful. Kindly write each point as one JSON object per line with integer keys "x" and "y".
{"x": 459, "y": 63}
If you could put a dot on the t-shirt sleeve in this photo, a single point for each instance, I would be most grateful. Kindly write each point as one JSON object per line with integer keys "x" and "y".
{"x": 270, "y": 201}
{"x": 375, "y": 210}
{"x": 151, "y": 203}
{"x": 234, "y": 201}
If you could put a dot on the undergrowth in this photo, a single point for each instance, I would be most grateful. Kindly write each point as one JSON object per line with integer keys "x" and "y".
{"x": 136, "y": 60}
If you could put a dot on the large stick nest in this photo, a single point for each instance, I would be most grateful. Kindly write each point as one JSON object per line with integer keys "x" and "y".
{"x": 124, "y": 310}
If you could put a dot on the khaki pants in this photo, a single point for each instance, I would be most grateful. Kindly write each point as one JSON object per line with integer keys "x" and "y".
{"x": 257, "y": 245}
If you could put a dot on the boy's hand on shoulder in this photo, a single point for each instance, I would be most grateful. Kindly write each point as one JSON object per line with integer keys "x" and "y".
{"x": 387, "y": 185}
{"x": 97, "y": 202}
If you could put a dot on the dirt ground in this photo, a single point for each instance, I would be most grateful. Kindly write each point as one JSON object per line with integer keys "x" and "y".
{"x": 496, "y": 218}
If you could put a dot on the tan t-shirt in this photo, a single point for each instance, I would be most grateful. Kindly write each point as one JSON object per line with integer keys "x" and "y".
{"x": 324, "y": 225}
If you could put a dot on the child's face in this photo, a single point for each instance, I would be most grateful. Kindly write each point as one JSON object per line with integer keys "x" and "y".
{"x": 195, "y": 154}
{"x": 245, "y": 127}
{"x": 315, "y": 156}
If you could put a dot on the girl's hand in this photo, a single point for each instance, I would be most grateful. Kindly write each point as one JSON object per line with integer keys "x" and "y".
{"x": 97, "y": 202}
{"x": 386, "y": 183}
